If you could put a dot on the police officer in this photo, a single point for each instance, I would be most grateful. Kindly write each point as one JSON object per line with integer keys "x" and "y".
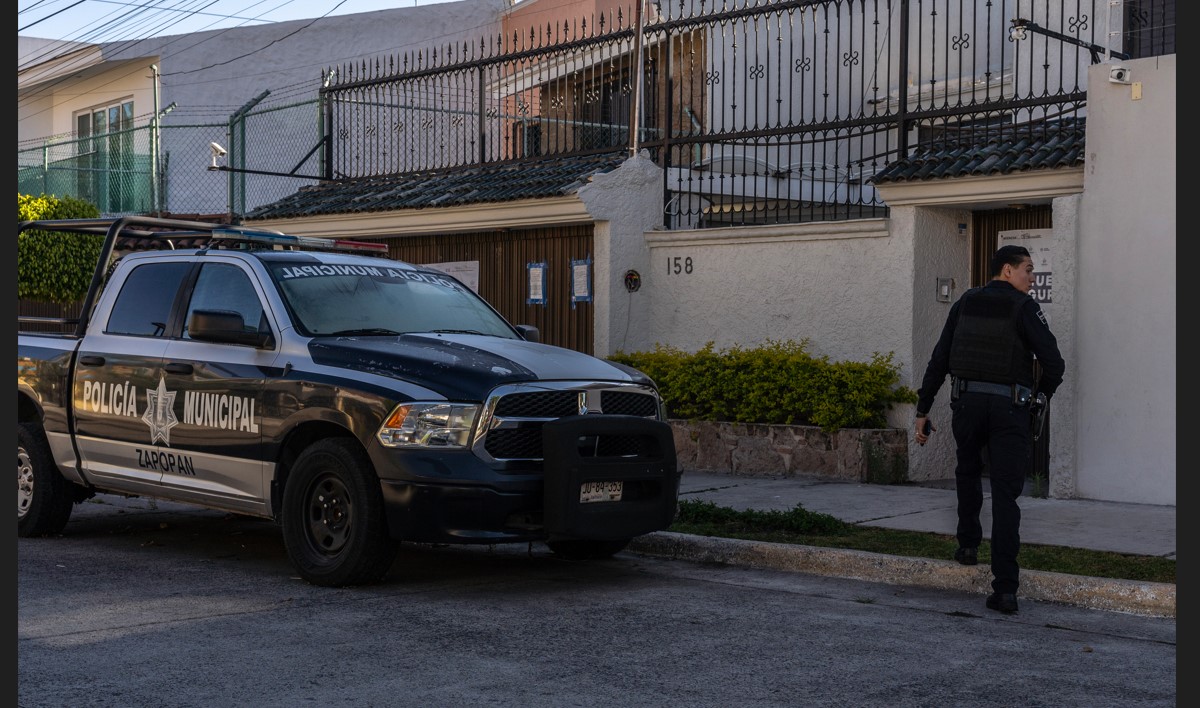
{"x": 988, "y": 344}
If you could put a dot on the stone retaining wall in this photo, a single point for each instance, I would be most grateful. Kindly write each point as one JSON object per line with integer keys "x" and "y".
{"x": 850, "y": 455}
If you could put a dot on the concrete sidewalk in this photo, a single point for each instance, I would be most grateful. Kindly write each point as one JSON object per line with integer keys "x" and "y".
{"x": 1138, "y": 529}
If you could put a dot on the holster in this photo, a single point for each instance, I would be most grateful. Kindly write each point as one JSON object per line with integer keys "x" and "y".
{"x": 1037, "y": 414}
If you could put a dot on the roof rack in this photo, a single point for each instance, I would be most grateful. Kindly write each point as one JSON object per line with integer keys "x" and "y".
{"x": 163, "y": 230}
{"x": 228, "y": 235}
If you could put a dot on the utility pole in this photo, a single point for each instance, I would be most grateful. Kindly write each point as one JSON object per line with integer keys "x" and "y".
{"x": 636, "y": 77}
{"x": 154, "y": 150}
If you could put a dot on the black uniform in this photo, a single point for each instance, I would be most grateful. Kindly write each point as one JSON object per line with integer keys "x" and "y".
{"x": 990, "y": 338}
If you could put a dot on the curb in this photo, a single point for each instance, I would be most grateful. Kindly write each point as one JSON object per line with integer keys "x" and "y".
{"x": 1130, "y": 596}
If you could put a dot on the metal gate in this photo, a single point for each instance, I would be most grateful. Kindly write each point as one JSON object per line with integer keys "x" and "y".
{"x": 988, "y": 225}
{"x": 503, "y": 257}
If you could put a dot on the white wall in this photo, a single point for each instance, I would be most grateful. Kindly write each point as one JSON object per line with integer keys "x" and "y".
{"x": 833, "y": 283}
{"x": 940, "y": 249}
{"x": 50, "y": 111}
{"x": 1126, "y": 295}
{"x": 1063, "y": 316}
{"x": 626, "y": 203}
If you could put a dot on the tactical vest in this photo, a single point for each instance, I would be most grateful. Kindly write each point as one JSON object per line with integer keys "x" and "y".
{"x": 986, "y": 344}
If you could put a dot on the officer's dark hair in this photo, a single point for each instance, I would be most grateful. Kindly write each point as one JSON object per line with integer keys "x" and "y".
{"x": 1008, "y": 255}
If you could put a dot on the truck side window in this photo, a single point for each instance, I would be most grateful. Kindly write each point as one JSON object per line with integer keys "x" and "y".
{"x": 143, "y": 306}
{"x": 227, "y": 288}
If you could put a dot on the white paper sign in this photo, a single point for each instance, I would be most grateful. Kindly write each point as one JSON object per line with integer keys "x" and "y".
{"x": 536, "y": 279}
{"x": 579, "y": 281}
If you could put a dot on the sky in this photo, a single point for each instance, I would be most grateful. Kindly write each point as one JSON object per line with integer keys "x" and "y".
{"x": 127, "y": 20}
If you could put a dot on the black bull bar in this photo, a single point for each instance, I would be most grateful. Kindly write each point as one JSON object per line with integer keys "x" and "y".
{"x": 599, "y": 451}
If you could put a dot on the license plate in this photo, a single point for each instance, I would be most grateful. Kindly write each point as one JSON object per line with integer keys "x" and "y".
{"x": 600, "y": 492}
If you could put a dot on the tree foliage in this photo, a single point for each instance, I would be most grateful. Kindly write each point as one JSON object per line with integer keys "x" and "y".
{"x": 54, "y": 266}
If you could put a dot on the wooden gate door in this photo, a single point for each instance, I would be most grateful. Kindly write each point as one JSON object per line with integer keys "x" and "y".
{"x": 503, "y": 257}
{"x": 988, "y": 225}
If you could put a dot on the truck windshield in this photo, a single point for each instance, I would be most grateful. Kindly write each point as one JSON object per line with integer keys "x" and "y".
{"x": 330, "y": 299}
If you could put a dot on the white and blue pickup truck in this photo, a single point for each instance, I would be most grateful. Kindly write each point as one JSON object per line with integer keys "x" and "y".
{"x": 359, "y": 401}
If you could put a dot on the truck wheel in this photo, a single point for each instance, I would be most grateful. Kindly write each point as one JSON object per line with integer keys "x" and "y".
{"x": 44, "y": 499}
{"x": 333, "y": 522}
{"x": 581, "y": 549}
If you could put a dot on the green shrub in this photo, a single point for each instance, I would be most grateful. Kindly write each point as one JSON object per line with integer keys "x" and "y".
{"x": 778, "y": 382}
{"x": 55, "y": 267}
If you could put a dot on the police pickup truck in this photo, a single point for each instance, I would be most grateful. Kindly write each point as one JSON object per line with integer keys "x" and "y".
{"x": 357, "y": 400}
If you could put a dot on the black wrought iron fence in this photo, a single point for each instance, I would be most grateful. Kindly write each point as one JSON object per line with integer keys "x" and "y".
{"x": 555, "y": 89}
{"x": 759, "y": 111}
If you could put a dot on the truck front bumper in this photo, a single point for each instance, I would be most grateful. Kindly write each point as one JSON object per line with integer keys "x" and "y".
{"x": 454, "y": 497}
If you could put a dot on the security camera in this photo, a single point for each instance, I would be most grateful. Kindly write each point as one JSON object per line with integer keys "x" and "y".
{"x": 1120, "y": 75}
{"x": 217, "y": 151}
{"x": 1017, "y": 32}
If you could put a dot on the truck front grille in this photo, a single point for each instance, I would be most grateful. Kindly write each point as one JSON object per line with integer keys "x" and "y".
{"x": 539, "y": 404}
{"x": 513, "y": 416}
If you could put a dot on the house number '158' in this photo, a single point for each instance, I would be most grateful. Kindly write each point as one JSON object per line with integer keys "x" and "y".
{"x": 678, "y": 264}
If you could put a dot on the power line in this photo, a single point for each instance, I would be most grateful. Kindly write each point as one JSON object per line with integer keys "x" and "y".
{"x": 129, "y": 45}
{"x": 35, "y": 22}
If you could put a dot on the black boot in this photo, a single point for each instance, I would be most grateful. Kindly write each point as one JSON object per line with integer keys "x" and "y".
{"x": 1005, "y": 602}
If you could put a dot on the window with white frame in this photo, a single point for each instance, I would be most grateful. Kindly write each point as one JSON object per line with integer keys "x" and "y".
{"x": 104, "y": 150}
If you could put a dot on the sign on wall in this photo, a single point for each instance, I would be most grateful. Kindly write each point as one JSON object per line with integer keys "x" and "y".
{"x": 1038, "y": 242}
{"x": 581, "y": 281}
{"x": 536, "y": 288}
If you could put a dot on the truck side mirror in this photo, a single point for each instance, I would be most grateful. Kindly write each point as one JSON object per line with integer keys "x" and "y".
{"x": 225, "y": 327}
{"x": 530, "y": 333}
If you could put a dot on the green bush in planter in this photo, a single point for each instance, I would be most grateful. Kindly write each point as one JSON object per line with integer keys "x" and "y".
{"x": 55, "y": 267}
{"x": 778, "y": 382}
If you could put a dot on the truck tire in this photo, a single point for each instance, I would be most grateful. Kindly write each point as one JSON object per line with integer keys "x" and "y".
{"x": 333, "y": 521}
{"x": 583, "y": 549}
{"x": 44, "y": 499}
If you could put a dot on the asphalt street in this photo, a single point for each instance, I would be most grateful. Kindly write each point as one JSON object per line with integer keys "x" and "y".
{"x": 145, "y": 603}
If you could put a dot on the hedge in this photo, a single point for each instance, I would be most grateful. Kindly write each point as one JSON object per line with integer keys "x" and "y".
{"x": 778, "y": 382}
{"x": 55, "y": 267}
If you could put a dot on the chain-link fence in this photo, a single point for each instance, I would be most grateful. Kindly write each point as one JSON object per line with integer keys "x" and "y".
{"x": 113, "y": 171}
{"x": 128, "y": 171}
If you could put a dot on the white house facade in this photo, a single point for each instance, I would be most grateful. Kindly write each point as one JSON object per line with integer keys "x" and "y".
{"x": 850, "y": 288}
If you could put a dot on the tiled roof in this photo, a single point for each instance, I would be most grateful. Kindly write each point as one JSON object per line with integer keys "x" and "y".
{"x": 490, "y": 183}
{"x": 1038, "y": 146}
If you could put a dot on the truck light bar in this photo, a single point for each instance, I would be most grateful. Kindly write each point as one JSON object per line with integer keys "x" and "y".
{"x": 286, "y": 240}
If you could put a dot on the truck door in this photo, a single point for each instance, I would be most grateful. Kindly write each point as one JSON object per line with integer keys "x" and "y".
{"x": 218, "y": 388}
{"x": 123, "y": 412}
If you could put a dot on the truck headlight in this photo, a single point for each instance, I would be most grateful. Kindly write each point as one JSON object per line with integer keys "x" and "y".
{"x": 429, "y": 425}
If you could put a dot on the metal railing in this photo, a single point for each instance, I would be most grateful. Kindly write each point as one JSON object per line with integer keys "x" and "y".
{"x": 759, "y": 111}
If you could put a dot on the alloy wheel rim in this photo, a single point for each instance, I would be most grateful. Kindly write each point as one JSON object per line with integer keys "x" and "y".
{"x": 24, "y": 482}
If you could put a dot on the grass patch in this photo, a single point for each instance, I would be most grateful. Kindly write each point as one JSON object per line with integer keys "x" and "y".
{"x": 799, "y": 526}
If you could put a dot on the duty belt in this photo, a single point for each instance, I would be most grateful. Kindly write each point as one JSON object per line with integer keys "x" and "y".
{"x": 1018, "y": 393}
{"x": 987, "y": 387}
